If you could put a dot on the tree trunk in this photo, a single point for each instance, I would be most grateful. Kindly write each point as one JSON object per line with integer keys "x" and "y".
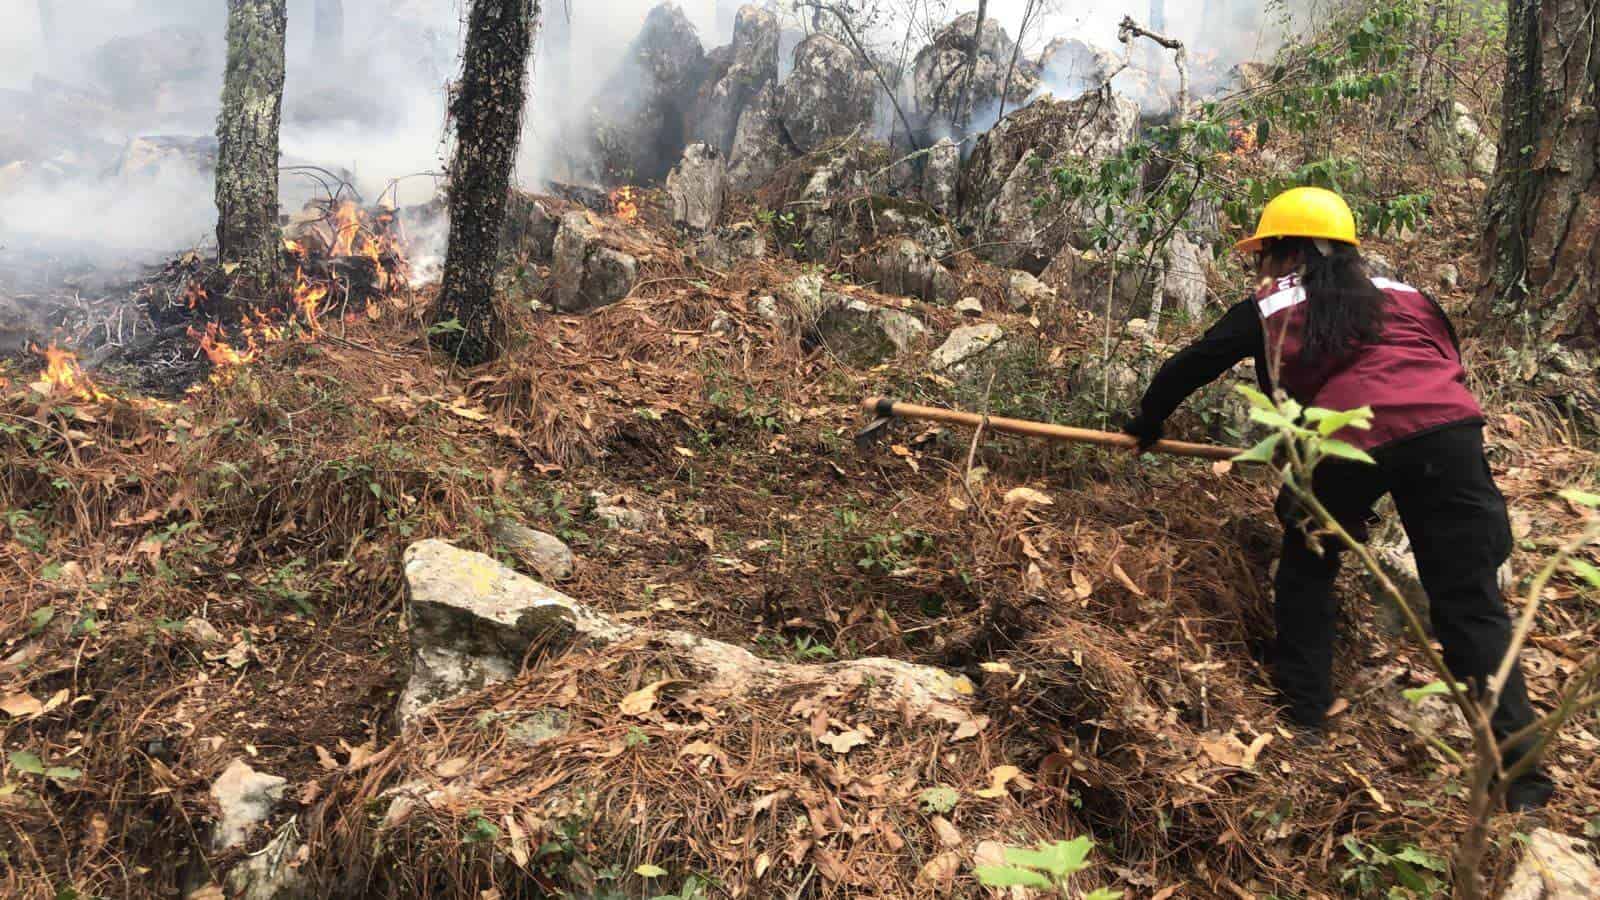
{"x": 329, "y": 30}
{"x": 487, "y": 108}
{"x": 247, "y": 146}
{"x": 962, "y": 115}
{"x": 1541, "y": 249}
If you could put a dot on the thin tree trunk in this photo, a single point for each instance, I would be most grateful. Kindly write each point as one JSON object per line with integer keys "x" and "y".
{"x": 487, "y": 108}
{"x": 329, "y": 29}
{"x": 1541, "y": 249}
{"x": 247, "y": 147}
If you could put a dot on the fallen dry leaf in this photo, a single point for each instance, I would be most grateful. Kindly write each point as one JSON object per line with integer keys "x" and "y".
{"x": 947, "y": 833}
{"x": 940, "y": 870}
{"x": 325, "y": 759}
{"x": 20, "y": 706}
{"x": 1339, "y": 706}
{"x": 844, "y": 742}
{"x": 1252, "y": 752}
{"x": 643, "y": 700}
{"x": 1081, "y": 586}
{"x": 1225, "y": 750}
{"x": 763, "y": 863}
{"x": 999, "y": 777}
{"x": 1029, "y": 496}
{"x": 452, "y": 767}
{"x": 1116, "y": 569}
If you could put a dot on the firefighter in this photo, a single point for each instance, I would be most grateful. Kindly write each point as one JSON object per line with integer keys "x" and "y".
{"x": 1333, "y": 337}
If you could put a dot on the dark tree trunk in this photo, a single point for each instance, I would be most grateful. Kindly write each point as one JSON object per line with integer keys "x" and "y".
{"x": 487, "y": 108}
{"x": 962, "y": 113}
{"x": 1541, "y": 249}
{"x": 247, "y": 146}
{"x": 328, "y": 27}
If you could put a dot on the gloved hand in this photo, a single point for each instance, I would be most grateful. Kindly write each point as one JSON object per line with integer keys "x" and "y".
{"x": 1147, "y": 430}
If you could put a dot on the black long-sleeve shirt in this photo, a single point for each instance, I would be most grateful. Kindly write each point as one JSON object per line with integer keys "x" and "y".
{"x": 1234, "y": 337}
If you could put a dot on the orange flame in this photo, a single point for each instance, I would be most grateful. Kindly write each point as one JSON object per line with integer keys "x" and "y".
{"x": 194, "y": 295}
{"x": 62, "y": 375}
{"x": 625, "y": 205}
{"x": 348, "y": 227}
{"x": 214, "y": 345}
{"x": 307, "y": 299}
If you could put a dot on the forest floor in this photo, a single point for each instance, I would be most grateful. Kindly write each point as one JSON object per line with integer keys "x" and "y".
{"x": 184, "y": 584}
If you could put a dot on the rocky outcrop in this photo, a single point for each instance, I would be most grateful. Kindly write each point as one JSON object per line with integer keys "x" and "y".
{"x": 273, "y": 872}
{"x": 168, "y": 156}
{"x": 1026, "y": 293}
{"x": 942, "y": 78}
{"x": 1070, "y": 68}
{"x": 1479, "y": 150}
{"x": 861, "y": 334}
{"x": 642, "y": 125}
{"x": 244, "y": 799}
{"x": 586, "y": 273}
{"x": 751, "y": 65}
{"x": 828, "y": 95}
{"x": 530, "y": 229}
{"x": 698, "y": 187}
{"x": 760, "y": 146}
{"x": 963, "y": 345}
{"x": 1554, "y": 867}
{"x": 904, "y": 267}
{"x": 1183, "y": 277}
{"x": 730, "y": 245}
{"x": 544, "y": 555}
{"x": 158, "y": 70}
{"x": 1011, "y": 171}
{"x": 941, "y": 176}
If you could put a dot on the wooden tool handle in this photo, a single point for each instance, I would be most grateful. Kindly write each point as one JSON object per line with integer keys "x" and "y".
{"x": 885, "y": 407}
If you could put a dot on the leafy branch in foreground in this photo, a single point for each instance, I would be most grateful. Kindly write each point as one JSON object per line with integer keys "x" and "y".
{"x": 1049, "y": 867}
{"x": 1301, "y": 439}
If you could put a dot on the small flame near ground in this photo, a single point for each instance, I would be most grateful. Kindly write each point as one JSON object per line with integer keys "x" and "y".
{"x": 62, "y": 376}
{"x": 625, "y": 205}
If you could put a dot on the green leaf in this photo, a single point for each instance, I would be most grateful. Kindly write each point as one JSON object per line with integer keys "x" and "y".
{"x": 1414, "y": 854}
{"x": 649, "y": 871}
{"x": 1433, "y": 689}
{"x": 41, "y": 619}
{"x": 1262, "y": 452}
{"x": 1329, "y": 421}
{"x": 1007, "y": 876}
{"x": 23, "y": 761}
{"x": 1582, "y": 498}
{"x": 1588, "y": 571}
{"x": 1342, "y": 450}
{"x": 1256, "y": 398}
{"x": 1271, "y": 417}
{"x": 1060, "y": 859}
{"x": 1103, "y": 894}
{"x": 63, "y": 773}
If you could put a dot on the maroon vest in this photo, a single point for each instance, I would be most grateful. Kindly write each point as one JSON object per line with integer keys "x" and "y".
{"x": 1411, "y": 377}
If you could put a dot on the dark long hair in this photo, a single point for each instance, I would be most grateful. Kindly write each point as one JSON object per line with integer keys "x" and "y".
{"x": 1344, "y": 309}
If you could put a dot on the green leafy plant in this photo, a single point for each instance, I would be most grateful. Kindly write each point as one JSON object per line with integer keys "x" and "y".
{"x": 1048, "y": 867}
{"x": 1399, "y": 872}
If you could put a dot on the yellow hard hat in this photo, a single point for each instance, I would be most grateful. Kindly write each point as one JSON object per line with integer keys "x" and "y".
{"x": 1306, "y": 212}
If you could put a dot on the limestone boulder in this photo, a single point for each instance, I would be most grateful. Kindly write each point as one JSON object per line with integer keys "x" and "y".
{"x": 587, "y": 273}
{"x": 964, "y": 345}
{"x": 472, "y": 620}
{"x": 1554, "y": 866}
{"x": 273, "y": 873}
{"x": 861, "y": 334}
{"x": 697, "y": 187}
{"x": 827, "y": 96}
{"x": 1026, "y": 293}
{"x": 728, "y": 246}
{"x": 941, "y": 176}
{"x": 1070, "y": 68}
{"x": 751, "y": 65}
{"x": 1012, "y": 167}
{"x": 946, "y": 87}
{"x": 643, "y": 125}
{"x": 1479, "y": 150}
{"x": 530, "y": 227}
{"x": 1182, "y": 279}
{"x": 905, "y": 267}
{"x": 244, "y": 799}
{"x": 760, "y": 145}
{"x": 545, "y": 555}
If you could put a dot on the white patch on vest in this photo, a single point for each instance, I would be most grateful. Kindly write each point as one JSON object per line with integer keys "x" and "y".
{"x": 1272, "y": 304}
{"x": 1386, "y": 284}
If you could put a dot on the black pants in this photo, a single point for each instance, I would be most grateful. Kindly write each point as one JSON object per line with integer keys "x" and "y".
{"x": 1460, "y": 534}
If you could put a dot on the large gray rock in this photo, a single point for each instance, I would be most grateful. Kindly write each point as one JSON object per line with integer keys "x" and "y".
{"x": 730, "y": 245}
{"x": 1026, "y": 293}
{"x": 828, "y": 95}
{"x": 760, "y": 146}
{"x": 1012, "y": 168}
{"x": 472, "y": 620}
{"x": 698, "y": 187}
{"x": 1479, "y": 150}
{"x": 752, "y": 64}
{"x": 640, "y": 122}
{"x": 547, "y": 555}
{"x": 903, "y": 266}
{"x": 244, "y": 799}
{"x": 165, "y": 69}
{"x": 861, "y": 334}
{"x": 168, "y": 156}
{"x": 1070, "y": 68}
{"x": 1554, "y": 867}
{"x": 941, "y": 176}
{"x": 963, "y": 345}
{"x": 943, "y": 79}
{"x": 1183, "y": 277}
{"x": 588, "y": 274}
{"x": 529, "y": 228}
{"x": 272, "y": 873}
